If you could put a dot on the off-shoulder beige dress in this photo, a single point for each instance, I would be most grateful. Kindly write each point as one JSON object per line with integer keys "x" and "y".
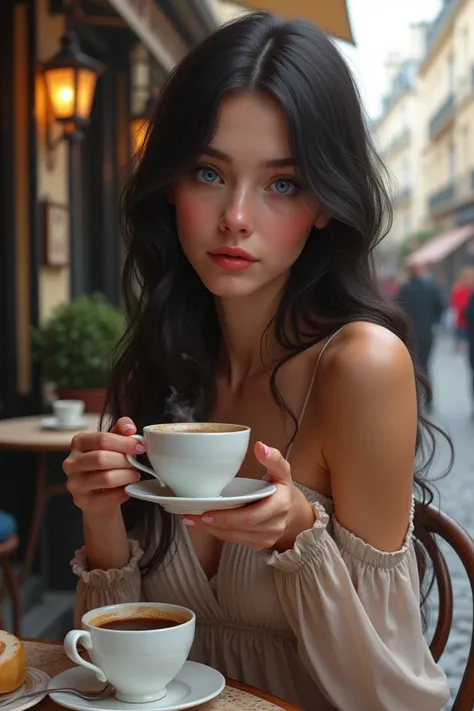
{"x": 331, "y": 624}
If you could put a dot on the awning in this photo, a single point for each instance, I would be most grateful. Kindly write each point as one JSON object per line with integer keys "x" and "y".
{"x": 441, "y": 246}
{"x": 154, "y": 29}
{"x": 332, "y": 16}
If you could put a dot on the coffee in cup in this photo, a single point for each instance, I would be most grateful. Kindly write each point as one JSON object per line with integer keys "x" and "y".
{"x": 138, "y": 648}
{"x": 195, "y": 459}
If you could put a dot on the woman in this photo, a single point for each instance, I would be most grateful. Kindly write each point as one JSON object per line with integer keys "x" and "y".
{"x": 248, "y": 280}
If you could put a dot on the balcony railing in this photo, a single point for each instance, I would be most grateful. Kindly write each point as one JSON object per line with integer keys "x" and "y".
{"x": 453, "y": 195}
{"x": 443, "y": 200}
{"x": 441, "y": 117}
{"x": 400, "y": 141}
{"x": 402, "y": 197}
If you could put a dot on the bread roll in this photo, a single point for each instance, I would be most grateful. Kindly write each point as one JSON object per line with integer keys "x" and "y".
{"x": 13, "y": 667}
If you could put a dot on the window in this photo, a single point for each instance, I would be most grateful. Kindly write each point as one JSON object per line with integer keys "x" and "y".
{"x": 451, "y": 77}
{"x": 406, "y": 173}
{"x": 452, "y": 162}
{"x": 406, "y": 226}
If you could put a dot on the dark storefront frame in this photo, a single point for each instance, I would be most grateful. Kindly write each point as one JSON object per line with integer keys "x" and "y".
{"x": 11, "y": 402}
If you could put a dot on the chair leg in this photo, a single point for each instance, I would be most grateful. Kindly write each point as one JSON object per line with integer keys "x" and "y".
{"x": 11, "y": 584}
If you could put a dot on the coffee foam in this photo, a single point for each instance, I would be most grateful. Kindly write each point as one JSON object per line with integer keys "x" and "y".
{"x": 130, "y": 613}
{"x": 191, "y": 427}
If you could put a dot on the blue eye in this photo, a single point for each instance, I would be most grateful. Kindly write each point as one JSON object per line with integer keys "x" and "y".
{"x": 207, "y": 175}
{"x": 285, "y": 186}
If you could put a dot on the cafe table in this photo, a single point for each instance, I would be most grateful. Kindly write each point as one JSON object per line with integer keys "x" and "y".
{"x": 51, "y": 658}
{"x": 28, "y": 434}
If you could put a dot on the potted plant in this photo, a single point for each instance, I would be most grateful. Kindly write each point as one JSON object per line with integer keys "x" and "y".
{"x": 74, "y": 347}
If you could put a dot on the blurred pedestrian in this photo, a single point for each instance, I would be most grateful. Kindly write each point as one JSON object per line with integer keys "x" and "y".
{"x": 460, "y": 295}
{"x": 423, "y": 302}
{"x": 469, "y": 314}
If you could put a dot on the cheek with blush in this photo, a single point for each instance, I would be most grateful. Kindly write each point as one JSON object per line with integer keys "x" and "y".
{"x": 287, "y": 233}
{"x": 195, "y": 216}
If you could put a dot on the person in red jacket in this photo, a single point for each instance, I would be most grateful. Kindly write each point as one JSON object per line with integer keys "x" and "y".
{"x": 460, "y": 295}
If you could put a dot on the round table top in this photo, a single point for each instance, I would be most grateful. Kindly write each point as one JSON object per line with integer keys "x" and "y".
{"x": 27, "y": 433}
{"x": 51, "y": 658}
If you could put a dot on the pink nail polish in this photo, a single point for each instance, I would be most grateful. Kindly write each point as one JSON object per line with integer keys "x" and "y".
{"x": 140, "y": 448}
{"x": 207, "y": 519}
{"x": 266, "y": 450}
{"x": 187, "y": 522}
{"x": 129, "y": 428}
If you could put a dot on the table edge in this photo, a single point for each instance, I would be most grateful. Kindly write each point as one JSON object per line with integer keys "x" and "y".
{"x": 22, "y": 447}
{"x": 284, "y": 705}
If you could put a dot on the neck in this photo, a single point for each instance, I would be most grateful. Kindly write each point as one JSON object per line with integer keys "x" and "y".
{"x": 243, "y": 323}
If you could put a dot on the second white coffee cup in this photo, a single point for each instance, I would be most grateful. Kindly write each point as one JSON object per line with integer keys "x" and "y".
{"x": 127, "y": 651}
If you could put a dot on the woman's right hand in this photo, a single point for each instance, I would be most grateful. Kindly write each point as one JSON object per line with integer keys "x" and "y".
{"x": 97, "y": 468}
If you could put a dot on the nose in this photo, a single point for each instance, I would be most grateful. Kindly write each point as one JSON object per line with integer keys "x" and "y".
{"x": 236, "y": 217}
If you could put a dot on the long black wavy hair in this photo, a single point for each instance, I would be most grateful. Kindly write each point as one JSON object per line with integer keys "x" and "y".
{"x": 174, "y": 336}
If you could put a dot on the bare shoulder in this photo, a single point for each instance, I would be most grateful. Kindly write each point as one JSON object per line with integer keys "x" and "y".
{"x": 368, "y": 355}
{"x": 366, "y": 390}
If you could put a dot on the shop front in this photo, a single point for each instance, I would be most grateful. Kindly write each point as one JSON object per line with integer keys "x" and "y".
{"x": 75, "y": 78}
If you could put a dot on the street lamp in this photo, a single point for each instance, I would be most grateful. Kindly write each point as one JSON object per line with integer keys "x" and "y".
{"x": 70, "y": 79}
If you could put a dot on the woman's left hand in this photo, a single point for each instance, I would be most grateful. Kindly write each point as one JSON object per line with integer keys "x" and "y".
{"x": 271, "y": 522}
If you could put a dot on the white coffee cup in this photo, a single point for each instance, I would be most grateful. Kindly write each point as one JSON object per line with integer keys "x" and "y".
{"x": 139, "y": 663}
{"x": 68, "y": 413}
{"x": 195, "y": 459}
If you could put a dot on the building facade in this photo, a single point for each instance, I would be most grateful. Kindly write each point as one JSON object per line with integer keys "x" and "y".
{"x": 446, "y": 79}
{"x": 398, "y": 135}
{"x": 433, "y": 162}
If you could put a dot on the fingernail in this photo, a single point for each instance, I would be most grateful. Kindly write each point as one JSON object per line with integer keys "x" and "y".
{"x": 207, "y": 519}
{"x": 140, "y": 448}
{"x": 187, "y": 522}
{"x": 266, "y": 450}
{"x": 139, "y": 476}
{"x": 129, "y": 428}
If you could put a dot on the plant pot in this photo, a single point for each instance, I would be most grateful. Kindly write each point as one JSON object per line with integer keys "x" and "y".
{"x": 94, "y": 399}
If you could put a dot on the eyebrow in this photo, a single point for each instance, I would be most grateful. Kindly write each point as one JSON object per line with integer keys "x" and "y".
{"x": 274, "y": 163}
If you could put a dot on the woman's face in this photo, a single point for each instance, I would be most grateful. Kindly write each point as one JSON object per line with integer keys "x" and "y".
{"x": 243, "y": 215}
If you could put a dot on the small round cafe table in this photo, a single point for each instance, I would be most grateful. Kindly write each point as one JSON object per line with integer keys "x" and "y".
{"x": 51, "y": 658}
{"x": 27, "y": 434}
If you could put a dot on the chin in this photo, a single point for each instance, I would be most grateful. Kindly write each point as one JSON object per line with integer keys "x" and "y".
{"x": 230, "y": 287}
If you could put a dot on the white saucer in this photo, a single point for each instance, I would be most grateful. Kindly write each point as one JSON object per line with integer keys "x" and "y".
{"x": 238, "y": 493}
{"x": 51, "y": 423}
{"x": 35, "y": 681}
{"x": 194, "y": 685}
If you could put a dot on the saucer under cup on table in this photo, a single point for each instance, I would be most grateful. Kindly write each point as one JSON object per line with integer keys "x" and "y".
{"x": 239, "y": 492}
{"x": 138, "y": 648}
{"x": 51, "y": 423}
{"x": 194, "y": 459}
{"x": 195, "y": 684}
{"x": 36, "y": 680}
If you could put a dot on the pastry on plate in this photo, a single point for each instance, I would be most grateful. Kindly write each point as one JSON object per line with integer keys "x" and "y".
{"x": 13, "y": 666}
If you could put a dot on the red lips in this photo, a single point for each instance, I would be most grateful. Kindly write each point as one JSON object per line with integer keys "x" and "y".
{"x": 233, "y": 259}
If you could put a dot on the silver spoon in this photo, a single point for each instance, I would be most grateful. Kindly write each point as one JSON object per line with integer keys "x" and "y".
{"x": 107, "y": 690}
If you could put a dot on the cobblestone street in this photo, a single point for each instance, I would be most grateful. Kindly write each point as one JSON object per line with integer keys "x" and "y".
{"x": 453, "y": 411}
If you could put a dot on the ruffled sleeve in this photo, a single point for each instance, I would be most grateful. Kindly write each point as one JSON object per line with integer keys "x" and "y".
{"x": 106, "y": 587}
{"x": 355, "y": 613}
